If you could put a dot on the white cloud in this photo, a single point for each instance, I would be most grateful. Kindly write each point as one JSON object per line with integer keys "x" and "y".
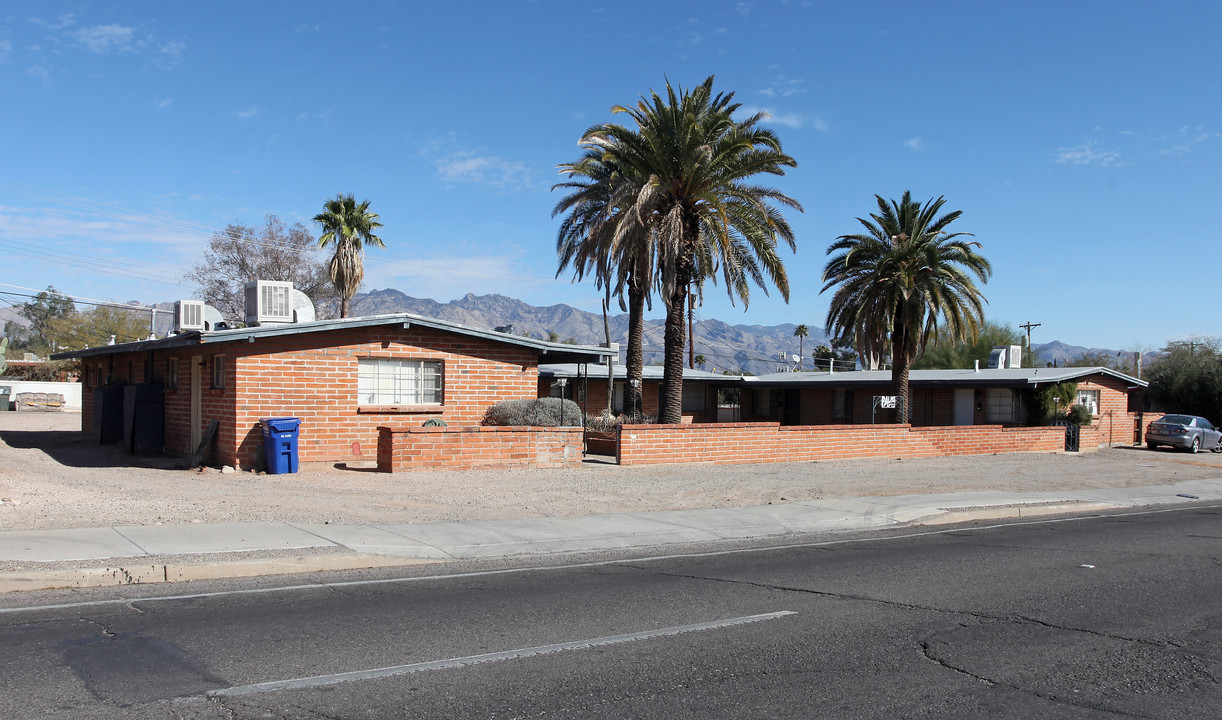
{"x": 39, "y": 72}
{"x": 792, "y": 120}
{"x": 59, "y": 23}
{"x": 251, "y": 112}
{"x": 106, "y": 38}
{"x": 6, "y": 47}
{"x": 489, "y": 170}
{"x": 784, "y": 87}
{"x": 163, "y": 103}
{"x": 1088, "y": 154}
{"x": 915, "y": 143}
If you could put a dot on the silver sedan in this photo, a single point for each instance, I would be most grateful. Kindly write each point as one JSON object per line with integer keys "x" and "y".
{"x": 1189, "y": 432}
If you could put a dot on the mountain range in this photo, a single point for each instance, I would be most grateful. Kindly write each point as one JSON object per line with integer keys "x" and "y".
{"x": 754, "y": 349}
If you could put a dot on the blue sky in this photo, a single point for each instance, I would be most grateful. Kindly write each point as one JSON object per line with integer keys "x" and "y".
{"x": 1081, "y": 140}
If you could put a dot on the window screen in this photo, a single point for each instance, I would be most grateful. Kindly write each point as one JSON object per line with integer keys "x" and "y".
{"x": 387, "y": 381}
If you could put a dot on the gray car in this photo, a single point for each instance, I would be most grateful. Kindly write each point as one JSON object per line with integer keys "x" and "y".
{"x": 1189, "y": 432}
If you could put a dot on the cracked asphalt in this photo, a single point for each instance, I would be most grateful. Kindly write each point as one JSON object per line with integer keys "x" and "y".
{"x": 1087, "y": 617}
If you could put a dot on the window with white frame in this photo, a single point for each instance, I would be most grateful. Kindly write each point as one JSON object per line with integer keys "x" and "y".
{"x": 1088, "y": 399}
{"x": 394, "y": 381}
{"x": 999, "y": 405}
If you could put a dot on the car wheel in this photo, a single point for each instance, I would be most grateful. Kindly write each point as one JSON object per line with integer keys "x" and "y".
{"x": 1196, "y": 445}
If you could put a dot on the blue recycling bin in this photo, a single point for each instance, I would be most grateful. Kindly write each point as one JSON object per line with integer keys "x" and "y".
{"x": 280, "y": 444}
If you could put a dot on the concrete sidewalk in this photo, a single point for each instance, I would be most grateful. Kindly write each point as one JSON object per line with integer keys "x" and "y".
{"x": 126, "y": 555}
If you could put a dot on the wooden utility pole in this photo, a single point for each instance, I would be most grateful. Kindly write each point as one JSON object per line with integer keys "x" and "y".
{"x": 691, "y": 336}
{"x": 1027, "y": 326}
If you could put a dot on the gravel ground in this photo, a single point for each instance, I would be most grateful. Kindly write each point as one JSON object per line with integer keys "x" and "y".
{"x": 53, "y": 476}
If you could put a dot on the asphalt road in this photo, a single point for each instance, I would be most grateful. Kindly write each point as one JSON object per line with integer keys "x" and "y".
{"x": 1073, "y": 618}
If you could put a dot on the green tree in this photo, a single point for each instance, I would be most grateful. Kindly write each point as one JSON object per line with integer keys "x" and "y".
{"x": 1187, "y": 378}
{"x": 901, "y": 280}
{"x": 98, "y": 325}
{"x": 801, "y": 332}
{"x": 694, "y": 165}
{"x": 947, "y": 353}
{"x": 242, "y": 253}
{"x": 41, "y": 311}
{"x": 597, "y": 237}
{"x": 348, "y": 226}
{"x": 1092, "y": 359}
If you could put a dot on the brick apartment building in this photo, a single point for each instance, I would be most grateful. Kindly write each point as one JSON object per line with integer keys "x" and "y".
{"x": 343, "y": 378}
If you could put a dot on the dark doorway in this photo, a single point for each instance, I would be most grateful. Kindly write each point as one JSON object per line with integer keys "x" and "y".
{"x": 792, "y": 409}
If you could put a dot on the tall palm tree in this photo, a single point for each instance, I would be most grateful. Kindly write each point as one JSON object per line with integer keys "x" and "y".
{"x": 694, "y": 163}
{"x": 597, "y": 237}
{"x": 801, "y": 332}
{"x": 349, "y": 226}
{"x": 902, "y": 279}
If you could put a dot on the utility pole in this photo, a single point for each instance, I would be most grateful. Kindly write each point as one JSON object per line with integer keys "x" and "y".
{"x": 1027, "y": 326}
{"x": 691, "y": 337}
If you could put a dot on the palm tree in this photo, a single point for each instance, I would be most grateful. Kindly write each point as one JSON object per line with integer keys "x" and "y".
{"x": 693, "y": 163}
{"x": 597, "y": 237}
{"x": 899, "y": 281}
{"x": 801, "y": 332}
{"x": 349, "y": 226}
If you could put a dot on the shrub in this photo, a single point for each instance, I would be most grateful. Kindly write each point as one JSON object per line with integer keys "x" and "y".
{"x": 1078, "y": 415}
{"x": 541, "y": 412}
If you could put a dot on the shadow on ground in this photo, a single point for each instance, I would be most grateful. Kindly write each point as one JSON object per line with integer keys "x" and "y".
{"x": 78, "y": 449}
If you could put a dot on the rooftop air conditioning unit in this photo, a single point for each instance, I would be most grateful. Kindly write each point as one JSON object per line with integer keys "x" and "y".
{"x": 269, "y": 302}
{"x": 189, "y": 315}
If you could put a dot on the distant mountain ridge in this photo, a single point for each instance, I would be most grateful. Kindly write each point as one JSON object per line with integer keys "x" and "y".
{"x": 755, "y": 349}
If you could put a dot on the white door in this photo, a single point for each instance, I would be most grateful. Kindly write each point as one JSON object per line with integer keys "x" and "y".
{"x": 963, "y": 406}
{"x": 196, "y": 395}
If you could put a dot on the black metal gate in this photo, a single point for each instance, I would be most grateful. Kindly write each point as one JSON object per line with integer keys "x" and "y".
{"x": 1072, "y": 435}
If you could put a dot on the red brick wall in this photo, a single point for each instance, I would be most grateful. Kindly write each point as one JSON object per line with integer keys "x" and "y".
{"x": 770, "y": 442}
{"x": 420, "y": 448}
{"x": 314, "y": 377}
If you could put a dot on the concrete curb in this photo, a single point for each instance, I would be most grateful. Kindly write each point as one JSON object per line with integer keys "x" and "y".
{"x": 135, "y": 574}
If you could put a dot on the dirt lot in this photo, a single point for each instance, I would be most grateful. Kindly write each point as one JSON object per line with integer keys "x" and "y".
{"x": 53, "y": 476}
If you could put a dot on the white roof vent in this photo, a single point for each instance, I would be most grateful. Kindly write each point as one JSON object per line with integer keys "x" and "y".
{"x": 269, "y": 302}
{"x": 303, "y": 307}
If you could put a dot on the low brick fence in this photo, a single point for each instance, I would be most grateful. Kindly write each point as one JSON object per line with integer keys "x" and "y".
{"x": 771, "y": 442}
{"x": 466, "y": 448}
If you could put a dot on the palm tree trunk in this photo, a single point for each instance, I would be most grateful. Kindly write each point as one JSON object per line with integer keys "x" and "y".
{"x": 636, "y": 343}
{"x": 671, "y": 410}
{"x": 900, "y": 363}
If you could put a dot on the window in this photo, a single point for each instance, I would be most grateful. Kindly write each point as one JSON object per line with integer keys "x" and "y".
{"x": 695, "y": 398}
{"x": 218, "y": 371}
{"x": 617, "y": 397}
{"x": 171, "y": 373}
{"x": 1088, "y": 399}
{"x": 842, "y": 404}
{"x": 1000, "y": 407}
{"x": 388, "y": 381}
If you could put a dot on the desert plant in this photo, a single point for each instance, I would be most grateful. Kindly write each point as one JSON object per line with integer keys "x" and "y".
{"x": 1078, "y": 415}
{"x": 540, "y": 412}
{"x": 1043, "y": 404}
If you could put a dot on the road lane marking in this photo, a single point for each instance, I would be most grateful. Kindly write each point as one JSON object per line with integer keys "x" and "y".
{"x": 578, "y": 566}
{"x": 385, "y": 672}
